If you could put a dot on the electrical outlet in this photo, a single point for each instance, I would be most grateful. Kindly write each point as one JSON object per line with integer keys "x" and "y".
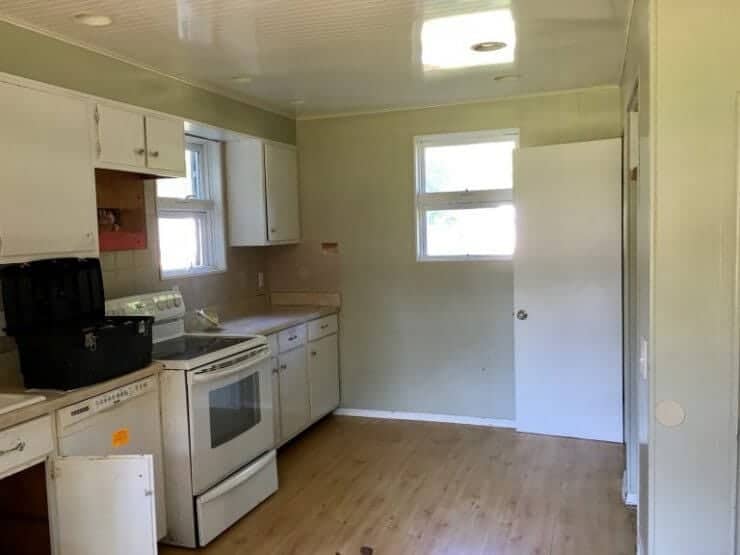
{"x": 260, "y": 280}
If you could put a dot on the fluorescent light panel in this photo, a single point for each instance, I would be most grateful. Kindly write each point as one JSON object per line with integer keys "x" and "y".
{"x": 446, "y": 41}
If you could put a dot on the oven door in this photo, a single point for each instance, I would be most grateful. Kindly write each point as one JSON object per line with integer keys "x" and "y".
{"x": 230, "y": 405}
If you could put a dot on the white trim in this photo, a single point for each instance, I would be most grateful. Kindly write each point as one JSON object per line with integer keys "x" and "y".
{"x": 489, "y": 100}
{"x": 428, "y": 417}
{"x": 242, "y": 99}
{"x": 629, "y": 498}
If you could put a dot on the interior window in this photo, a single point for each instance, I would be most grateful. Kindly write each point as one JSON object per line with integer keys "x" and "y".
{"x": 464, "y": 186}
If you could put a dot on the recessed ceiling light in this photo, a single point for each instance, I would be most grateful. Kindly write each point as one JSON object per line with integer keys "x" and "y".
{"x": 488, "y": 46}
{"x": 93, "y": 20}
{"x": 459, "y": 41}
{"x": 241, "y": 79}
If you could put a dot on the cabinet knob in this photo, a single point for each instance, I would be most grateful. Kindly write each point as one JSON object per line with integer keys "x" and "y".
{"x": 313, "y": 353}
{"x": 153, "y": 153}
{"x": 283, "y": 367}
{"x": 139, "y": 151}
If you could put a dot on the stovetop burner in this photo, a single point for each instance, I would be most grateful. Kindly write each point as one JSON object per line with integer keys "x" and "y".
{"x": 189, "y": 347}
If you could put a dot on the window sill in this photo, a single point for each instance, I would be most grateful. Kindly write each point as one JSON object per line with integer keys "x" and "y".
{"x": 488, "y": 258}
{"x": 197, "y": 272}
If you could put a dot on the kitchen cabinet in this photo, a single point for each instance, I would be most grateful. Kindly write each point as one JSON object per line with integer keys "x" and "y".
{"x": 294, "y": 402}
{"x": 262, "y": 188}
{"x": 48, "y": 207}
{"x": 130, "y": 140}
{"x": 323, "y": 376}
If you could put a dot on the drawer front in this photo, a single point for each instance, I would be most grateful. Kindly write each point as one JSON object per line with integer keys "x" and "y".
{"x": 292, "y": 338}
{"x": 272, "y": 341}
{"x": 322, "y": 327}
{"x": 22, "y": 444}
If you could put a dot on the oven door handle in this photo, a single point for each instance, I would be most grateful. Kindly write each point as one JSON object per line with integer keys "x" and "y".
{"x": 236, "y": 480}
{"x": 212, "y": 375}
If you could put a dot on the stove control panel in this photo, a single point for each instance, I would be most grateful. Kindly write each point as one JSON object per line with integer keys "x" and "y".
{"x": 165, "y": 305}
{"x": 84, "y": 409}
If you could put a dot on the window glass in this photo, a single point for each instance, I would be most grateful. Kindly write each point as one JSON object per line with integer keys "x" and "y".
{"x": 190, "y": 186}
{"x": 471, "y": 232}
{"x": 180, "y": 241}
{"x": 468, "y": 167}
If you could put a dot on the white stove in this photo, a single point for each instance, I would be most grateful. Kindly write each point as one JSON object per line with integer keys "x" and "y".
{"x": 217, "y": 420}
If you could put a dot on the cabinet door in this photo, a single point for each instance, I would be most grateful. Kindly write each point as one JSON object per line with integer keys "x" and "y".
{"x": 105, "y": 505}
{"x": 323, "y": 376}
{"x": 294, "y": 408}
{"x": 165, "y": 143}
{"x": 48, "y": 205}
{"x": 281, "y": 184}
{"x": 121, "y": 139}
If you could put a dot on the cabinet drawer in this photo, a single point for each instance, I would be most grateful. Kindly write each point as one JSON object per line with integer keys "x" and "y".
{"x": 23, "y": 444}
{"x": 322, "y": 327}
{"x": 292, "y": 338}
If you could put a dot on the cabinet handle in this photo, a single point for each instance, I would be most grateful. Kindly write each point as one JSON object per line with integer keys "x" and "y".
{"x": 153, "y": 153}
{"x": 139, "y": 151}
{"x": 324, "y": 326}
{"x": 292, "y": 338}
{"x": 19, "y": 447}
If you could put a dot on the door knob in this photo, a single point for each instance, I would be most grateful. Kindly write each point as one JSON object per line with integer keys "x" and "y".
{"x": 522, "y": 314}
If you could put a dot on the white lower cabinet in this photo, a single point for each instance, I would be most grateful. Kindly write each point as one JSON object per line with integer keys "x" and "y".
{"x": 305, "y": 379}
{"x": 323, "y": 376}
{"x": 294, "y": 407}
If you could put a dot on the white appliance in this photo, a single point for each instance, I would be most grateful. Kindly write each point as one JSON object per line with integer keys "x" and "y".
{"x": 124, "y": 421}
{"x": 217, "y": 420}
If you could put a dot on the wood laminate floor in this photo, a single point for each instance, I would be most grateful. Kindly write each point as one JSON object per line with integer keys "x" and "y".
{"x": 399, "y": 487}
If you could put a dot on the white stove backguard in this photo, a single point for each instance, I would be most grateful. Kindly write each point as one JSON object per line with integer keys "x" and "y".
{"x": 167, "y": 308}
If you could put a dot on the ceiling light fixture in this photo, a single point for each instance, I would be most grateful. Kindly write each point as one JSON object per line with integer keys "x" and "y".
{"x": 241, "y": 79}
{"x": 488, "y": 46}
{"x": 459, "y": 41}
{"x": 93, "y": 20}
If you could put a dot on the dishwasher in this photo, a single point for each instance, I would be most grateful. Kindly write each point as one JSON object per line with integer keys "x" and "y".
{"x": 123, "y": 421}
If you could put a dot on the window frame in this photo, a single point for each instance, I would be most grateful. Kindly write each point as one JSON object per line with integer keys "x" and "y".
{"x": 208, "y": 205}
{"x": 456, "y": 200}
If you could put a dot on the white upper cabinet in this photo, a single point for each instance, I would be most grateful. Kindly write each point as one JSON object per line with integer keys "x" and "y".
{"x": 121, "y": 138}
{"x": 281, "y": 184}
{"x": 48, "y": 205}
{"x": 165, "y": 142}
{"x": 129, "y": 140}
{"x": 263, "y": 193}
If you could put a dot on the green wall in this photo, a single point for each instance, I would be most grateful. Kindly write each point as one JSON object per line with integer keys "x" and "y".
{"x": 419, "y": 337}
{"x": 35, "y": 56}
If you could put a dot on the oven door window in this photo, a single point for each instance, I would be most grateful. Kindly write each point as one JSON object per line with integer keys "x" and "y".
{"x": 234, "y": 409}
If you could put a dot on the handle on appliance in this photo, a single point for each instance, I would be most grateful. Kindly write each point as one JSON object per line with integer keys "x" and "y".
{"x": 237, "y": 479}
{"x": 20, "y": 446}
{"x": 216, "y": 374}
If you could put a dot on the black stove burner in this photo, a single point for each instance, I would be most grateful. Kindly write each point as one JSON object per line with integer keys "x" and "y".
{"x": 192, "y": 346}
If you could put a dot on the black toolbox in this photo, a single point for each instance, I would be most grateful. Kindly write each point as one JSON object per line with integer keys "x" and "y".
{"x": 55, "y": 310}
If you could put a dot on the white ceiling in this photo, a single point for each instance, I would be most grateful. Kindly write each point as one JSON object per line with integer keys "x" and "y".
{"x": 340, "y": 56}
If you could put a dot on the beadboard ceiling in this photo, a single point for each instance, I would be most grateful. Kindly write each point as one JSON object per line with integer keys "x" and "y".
{"x": 340, "y": 56}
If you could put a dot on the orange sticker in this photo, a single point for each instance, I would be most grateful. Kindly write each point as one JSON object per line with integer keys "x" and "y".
{"x": 120, "y": 437}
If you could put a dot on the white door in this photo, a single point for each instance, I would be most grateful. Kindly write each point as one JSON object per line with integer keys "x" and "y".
{"x": 105, "y": 505}
{"x": 281, "y": 184}
{"x": 323, "y": 376}
{"x": 165, "y": 143}
{"x": 48, "y": 202}
{"x": 121, "y": 140}
{"x": 567, "y": 290}
{"x": 294, "y": 407}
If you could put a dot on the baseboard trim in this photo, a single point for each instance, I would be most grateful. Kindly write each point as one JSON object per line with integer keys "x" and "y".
{"x": 428, "y": 417}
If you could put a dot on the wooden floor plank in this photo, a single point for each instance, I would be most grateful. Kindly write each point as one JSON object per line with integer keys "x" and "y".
{"x": 426, "y": 488}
